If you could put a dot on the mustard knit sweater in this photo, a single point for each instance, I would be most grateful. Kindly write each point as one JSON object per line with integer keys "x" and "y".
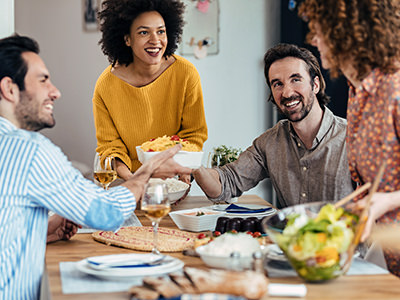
{"x": 126, "y": 116}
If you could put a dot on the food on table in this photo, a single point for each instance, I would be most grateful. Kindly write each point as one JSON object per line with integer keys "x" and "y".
{"x": 200, "y": 213}
{"x": 315, "y": 246}
{"x": 225, "y": 224}
{"x": 199, "y": 281}
{"x": 141, "y": 238}
{"x": 221, "y": 224}
{"x": 228, "y": 242}
{"x": 166, "y": 142}
{"x": 173, "y": 185}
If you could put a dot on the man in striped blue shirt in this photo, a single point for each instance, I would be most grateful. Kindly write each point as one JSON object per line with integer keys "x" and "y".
{"x": 35, "y": 176}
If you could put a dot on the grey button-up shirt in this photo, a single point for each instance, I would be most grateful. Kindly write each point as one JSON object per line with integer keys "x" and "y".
{"x": 298, "y": 174}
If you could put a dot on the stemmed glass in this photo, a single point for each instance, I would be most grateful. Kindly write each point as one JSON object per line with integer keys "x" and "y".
{"x": 155, "y": 204}
{"x": 104, "y": 170}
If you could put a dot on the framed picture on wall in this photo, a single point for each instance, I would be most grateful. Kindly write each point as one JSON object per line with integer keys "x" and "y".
{"x": 90, "y": 10}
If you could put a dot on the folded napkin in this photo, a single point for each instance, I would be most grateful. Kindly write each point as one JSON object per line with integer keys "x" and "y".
{"x": 132, "y": 260}
{"x": 233, "y": 208}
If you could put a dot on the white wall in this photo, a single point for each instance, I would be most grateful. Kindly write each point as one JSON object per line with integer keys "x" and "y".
{"x": 233, "y": 83}
{"x": 6, "y": 17}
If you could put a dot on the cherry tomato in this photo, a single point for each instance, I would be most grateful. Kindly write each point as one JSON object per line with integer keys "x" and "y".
{"x": 175, "y": 138}
{"x": 217, "y": 233}
{"x": 234, "y": 231}
{"x": 249, "y": 232}
{"x": 201, "y": 236}
{"x": 256, "y": 234}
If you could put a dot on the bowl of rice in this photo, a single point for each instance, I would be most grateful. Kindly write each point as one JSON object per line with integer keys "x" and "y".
{"x": 190, "y": 156}
{"x": 217, "y": 254}
{"x": 176, "y": 188}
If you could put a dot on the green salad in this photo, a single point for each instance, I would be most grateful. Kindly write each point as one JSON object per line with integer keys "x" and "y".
{"x": 315, "y": 246}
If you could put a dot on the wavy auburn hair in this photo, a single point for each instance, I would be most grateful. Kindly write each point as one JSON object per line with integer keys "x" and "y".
{"x": 365, "y": 32}
{"x": 116, "y": 17}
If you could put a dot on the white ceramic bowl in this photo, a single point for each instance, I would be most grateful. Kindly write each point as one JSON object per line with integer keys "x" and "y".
{"x": 176, "y": 188}
{"x": 184, "y": 158}
{"x": 187, "y": 219}
{"x": 222, "y": 261}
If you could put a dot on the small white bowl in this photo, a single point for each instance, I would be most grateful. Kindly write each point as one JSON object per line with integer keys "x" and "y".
{"x": 184, "y": 158}
{"x": 187, "y": 219}
{"x": 176, "y": 188}
{"x": 222, "y": 261}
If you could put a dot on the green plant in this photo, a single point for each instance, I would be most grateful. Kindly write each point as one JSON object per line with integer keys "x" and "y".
{"x": 223, "y": 155}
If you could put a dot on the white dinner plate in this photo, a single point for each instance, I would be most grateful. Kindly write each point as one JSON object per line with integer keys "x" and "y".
{"x": 127, "y": 273}
{"x": 222, "y": 207}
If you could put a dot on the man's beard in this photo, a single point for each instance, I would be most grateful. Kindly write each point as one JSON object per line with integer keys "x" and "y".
{"x": 304, "y": 111}
{"x": 27, "y": 114}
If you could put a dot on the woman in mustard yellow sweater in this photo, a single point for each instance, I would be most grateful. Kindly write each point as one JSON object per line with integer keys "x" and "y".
{"x": 147, "y": 91}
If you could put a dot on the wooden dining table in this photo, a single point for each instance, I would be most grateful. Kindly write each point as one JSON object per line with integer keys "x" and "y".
{"x": 380, "y": 287}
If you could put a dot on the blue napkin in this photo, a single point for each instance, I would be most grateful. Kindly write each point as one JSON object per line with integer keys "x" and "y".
{"x": 233, "y": 208}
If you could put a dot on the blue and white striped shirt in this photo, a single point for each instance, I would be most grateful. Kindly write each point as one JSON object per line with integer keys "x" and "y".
{"x": 35, "y": 176}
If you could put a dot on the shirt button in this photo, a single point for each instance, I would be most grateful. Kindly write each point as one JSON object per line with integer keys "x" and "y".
{"x": 303, "y": 195}
{"x": 304, "y": 168}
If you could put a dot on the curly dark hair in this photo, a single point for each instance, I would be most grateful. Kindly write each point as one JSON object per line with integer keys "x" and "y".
{"x": 116, "y": 17}
{"x": 282, "y": 51}
{"x": 13, "y": 64}
{"x": 364, "y": 31}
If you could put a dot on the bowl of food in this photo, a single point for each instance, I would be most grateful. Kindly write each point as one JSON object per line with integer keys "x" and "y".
{"x": 316, "y": 239}
{"x": 196, "y": 219}
{"x": 217, "y": 253}
{"x": 176, "y": 188}
{"x": 190, "y": 156}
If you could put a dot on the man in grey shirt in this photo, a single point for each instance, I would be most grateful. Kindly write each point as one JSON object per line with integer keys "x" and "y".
{"x": 304, "y": 155}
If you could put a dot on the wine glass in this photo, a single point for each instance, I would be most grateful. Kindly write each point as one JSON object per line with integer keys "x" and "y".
{"x": 104, "y": 170}
{"x": 155, "y": 204}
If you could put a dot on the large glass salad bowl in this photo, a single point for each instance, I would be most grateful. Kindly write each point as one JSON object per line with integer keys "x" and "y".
{"x": 316, "y": 239}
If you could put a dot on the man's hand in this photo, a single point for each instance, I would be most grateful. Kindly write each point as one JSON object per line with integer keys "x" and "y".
{"x": 161, "y": 165}
{"x": 208, "y": 180}
{"x": 60, "y": 229}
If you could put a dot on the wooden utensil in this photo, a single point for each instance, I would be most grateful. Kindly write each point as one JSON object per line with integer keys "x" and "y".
{"x": 364, "y": 214}
{"x": 349, "y": 197}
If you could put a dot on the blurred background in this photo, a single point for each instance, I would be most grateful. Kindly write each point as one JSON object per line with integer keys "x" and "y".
{"x": 235, "y": 92}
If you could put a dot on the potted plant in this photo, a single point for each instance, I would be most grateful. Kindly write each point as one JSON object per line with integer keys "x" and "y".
{"x": 223, "y": 155}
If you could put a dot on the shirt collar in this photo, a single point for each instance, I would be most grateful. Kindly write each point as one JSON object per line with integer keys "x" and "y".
{"x": 326, "y": 124}
{"x": 369, "y": 83}
{"x": 6, "y": 126}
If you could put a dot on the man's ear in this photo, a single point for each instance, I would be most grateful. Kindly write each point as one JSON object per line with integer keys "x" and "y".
{"x": 316, "y": 85}
{"x": 8, "y": 89}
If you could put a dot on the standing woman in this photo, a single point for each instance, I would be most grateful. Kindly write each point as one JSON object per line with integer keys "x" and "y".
{"x": 147, "y": 91}
{"x": 361, "y": 39}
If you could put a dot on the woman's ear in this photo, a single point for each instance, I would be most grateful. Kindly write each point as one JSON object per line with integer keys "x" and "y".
{"x": 127, "y": 40}
{"x": 8, "y": 89}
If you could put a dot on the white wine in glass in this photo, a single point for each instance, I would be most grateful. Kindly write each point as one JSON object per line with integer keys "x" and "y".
{"x": 155, "y": 204}
{"x": 104, "y": 170}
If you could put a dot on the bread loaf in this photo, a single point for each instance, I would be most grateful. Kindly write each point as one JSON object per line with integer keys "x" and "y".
{"x": 163, "y": 285}
{"x": 248, "y": 284}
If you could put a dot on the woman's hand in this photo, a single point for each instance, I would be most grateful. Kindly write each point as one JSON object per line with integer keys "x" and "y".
{"x": 381, "y": 203}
